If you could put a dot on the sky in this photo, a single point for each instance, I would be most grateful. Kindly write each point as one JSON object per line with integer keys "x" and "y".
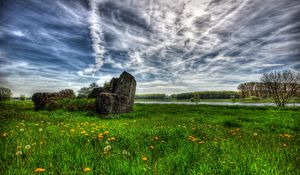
{"x": 170, "y": 46}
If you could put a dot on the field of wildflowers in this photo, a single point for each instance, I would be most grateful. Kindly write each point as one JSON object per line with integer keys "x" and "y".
{"x": 154, "y": 139}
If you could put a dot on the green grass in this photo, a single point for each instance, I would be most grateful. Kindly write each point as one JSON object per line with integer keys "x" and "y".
{"x": 197, "y": 139}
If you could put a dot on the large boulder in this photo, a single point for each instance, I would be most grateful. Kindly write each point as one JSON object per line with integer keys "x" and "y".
{"x": 105, "y": 103}
{"x": 121, "y": 96}
{"x": 126, "y": 86}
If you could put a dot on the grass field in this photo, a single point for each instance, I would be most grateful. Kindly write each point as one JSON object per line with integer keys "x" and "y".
{"x": 154, "y": 139}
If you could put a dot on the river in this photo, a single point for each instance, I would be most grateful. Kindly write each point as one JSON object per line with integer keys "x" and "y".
{"x": 217, "y": 103}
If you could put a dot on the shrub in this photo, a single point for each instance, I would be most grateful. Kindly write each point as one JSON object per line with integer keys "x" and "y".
{"x": 73, "y": 104}
{"x": 255, "y": 98}
{"x": 22, "y": 97}
{"x": 5, "y": 93}
{"x": 67, "y": 93}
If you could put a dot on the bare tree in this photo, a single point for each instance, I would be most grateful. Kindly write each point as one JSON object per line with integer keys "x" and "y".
{"x": 281, "y": 85}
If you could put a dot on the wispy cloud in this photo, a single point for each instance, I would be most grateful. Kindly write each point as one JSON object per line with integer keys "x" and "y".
{"x": 96, "y": 38}
{"x": 169, "y": 45}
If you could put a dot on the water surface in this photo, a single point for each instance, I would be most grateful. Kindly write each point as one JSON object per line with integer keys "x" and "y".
{"x": 217, "y": 103}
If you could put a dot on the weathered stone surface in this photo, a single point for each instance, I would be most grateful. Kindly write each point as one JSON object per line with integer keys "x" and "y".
{"x": 41, "y": 100}
{"x": 126, "y": 86}
{"x": 96, "y": 92}
{"x": 105, "y": 103}
{"x": 121, "y": 96}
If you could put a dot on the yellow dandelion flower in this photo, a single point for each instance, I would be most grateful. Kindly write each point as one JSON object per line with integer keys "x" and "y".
{"x": 151, "y": 147}
{"x": 39, "y": 170}
{"x": 72, "y": 130}
{"x": 113, "y": 138}
{"x": 193, "y": 139}
{"x": 19, "y": 147}
{"x": 201, "y": 142}
{"x": 83, "y": 132}
{"x": 106, "y": 132}
{"x": 87, "y": 169}
{"x": 144, "y": 158}
{"x": 285, "y": 145}
{"x": 100, "y": 137}
{"x": 109, "y": 139}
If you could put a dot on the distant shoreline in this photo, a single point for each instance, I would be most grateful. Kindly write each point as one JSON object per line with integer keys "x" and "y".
{"x": 216, "y": 103}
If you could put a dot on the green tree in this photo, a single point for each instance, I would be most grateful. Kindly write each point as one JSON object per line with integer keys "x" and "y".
{"x": 22, "y": 97}
{"x": 85, "y": 91}
{"x": 106, "y": 85}
{"x": 67, "y": 93}
{"x": 5, "y": 93}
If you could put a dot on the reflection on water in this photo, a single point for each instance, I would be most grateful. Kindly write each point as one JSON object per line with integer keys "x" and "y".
{"x": 216, "y": 103}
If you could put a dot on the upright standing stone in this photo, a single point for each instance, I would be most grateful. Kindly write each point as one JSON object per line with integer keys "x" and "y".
{"x": 121, "y": 97}
{"x": 126, "y": 86}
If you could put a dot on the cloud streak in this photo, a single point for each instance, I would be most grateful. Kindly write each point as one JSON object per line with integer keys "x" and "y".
{"x": 170, "y": 46}
{"x": 96, "y": 38}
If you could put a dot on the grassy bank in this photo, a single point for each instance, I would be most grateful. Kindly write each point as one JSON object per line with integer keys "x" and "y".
{"x": 154, "y": 139}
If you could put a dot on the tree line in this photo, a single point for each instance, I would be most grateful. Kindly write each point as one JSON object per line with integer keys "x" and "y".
{"x": 206, "y": 95}
{"x": 250, "y": 89}
{"x": 280, "y": 86}
{"x": 151, "y": 96}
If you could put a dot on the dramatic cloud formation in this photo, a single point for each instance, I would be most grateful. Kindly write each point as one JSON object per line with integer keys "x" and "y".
{"x": 169, "y": 45}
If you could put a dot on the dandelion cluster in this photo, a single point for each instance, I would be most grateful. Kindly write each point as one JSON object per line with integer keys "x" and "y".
{"x": 286, "y": 135}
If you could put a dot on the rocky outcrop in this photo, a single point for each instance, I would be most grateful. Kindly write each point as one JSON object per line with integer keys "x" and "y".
{"x": 116, "y": 97}
{"x": 41, "y": 100}
{"x": 97, "y": 91}
{"x": 121, "y": 96}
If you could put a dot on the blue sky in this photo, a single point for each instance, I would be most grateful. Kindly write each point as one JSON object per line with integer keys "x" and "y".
{"x": 170, "y": 46}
